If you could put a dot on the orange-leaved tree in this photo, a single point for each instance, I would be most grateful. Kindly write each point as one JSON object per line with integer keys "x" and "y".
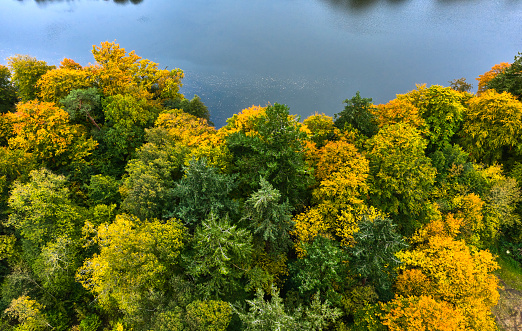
{"x": 450, "y": 271}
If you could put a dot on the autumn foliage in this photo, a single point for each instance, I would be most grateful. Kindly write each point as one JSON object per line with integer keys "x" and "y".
{"x": 123, "y": 208}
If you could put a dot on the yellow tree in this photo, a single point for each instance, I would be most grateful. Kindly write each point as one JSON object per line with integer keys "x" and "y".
{"x": 422, "y": 313}
{"x": 135, "y": 260}
{"x": 401, "y": 176}
{"x": 450, "y": 271}
{"x": 342, "y": 172}
{"x": 44, "y": 130}
{"x": 26, "y": 71}
{"x": 492, "y": 126}
{"x": 56, "y": 84}
{"x": 119, "y": 72}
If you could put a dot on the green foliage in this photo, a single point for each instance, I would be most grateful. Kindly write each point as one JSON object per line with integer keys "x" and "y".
{"x": 272, "y": 315}
{"x": 103, "y": 190}
{"x": 442, "y": 109}
{"x": 323, "y": 268}
{"x": 91, "y": 322}
{"x": 274, "y": 150}
{"x": 194, "y": 107}
{"x": 219, "y": 255}
{"x": 510, "y": 79}
{"x": 42, "y": 209}
{"x": 135, "y": 261}
{"x": 147, "y": 186}
{"x": 84, "y": 105}
{"x": 357, "y": 114}
{"x": 7, "y": 91}
{"x": 125, "y": 121}
{"x": 26, "y": 72}
{"x": 401, "y": 176}
{"x": 203, "y": 190}
{"x": 268, "y": 218}
{"x": 373, "y": 256}
{"x": 211, "y": 315}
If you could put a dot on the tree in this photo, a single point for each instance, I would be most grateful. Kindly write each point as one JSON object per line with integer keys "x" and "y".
{"x": 465, "y": 280}
{"x": 7, "y": 91}
{"x": 399, "y": 110}
{"x": 269, "y": 218}
{"x": 273, "y": 315}
{"x": 321, "y": 129}
{"x": 460, "y": 85}
{"x": 26, "y": 72}
{"x": 211, "y": 315}
{"x": 338, "y": 200}
{"x": 422, "y": 313}
{"x": 84, "y": 105}
{"x": 372, "y": 257}
{"x": 118, "y": 72}
{"x": 44, "y": 130}
{"x": 201, "y": 192}
{"x": 488, "y": 76}
{"x": 43, "y": 210}
{"x": 323, "y": 269}
{"x": 29, "y": 313}
{"x": 269, "y": 143}
{"x": 150, "y": 177}
{"x": 126, "y": 118}
{"x": 220, "y": 254}
{"x": 509, "y": 79}
{"x": 193, "y": 107}
{"x": 442, "y": 109}
{"x": 135, "y": 261}
{"x": 357, "y": 114}
{"x": 57, "y": 83}
{"x": 492, "y": 127}
{"x": 401, "y": 176}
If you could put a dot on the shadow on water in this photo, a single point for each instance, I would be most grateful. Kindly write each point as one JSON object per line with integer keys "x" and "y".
{"x": 119, "y": 2}
{"x": 360, "y": 5}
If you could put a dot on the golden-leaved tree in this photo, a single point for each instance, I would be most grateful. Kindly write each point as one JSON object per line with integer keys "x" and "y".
{"x": 451, "y": 273}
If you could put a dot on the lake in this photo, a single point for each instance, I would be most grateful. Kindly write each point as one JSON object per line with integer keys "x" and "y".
{"x": 308, "y": 54}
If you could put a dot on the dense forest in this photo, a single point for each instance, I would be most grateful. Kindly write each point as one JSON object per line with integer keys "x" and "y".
{"x": 123, "y": 208}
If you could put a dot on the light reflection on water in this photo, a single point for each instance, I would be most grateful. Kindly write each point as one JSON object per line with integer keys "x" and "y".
{"x": 309, "y": 54}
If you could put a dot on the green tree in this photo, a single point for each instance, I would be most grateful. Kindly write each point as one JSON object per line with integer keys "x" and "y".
{"x": 323, "y": 269}
{"x": 125, "y": 121}
{"x": 372, "y": 257}
{"x": 194, "y": 107}
{"x": 401, "y": 176}
{"x": 84, "y": 105}
{"x": 203, "y": 190}
{"x": 219, "y": 256}
{"x": 26, "y": 72}
{"x": 211, "y": 315}
{"x": 509, "y": 79}
{"x": 270, "y": 145}
{"x": 357, "y": 114}
{"x": 150, "y": 177}
{"x": 268, "y": 218}
{"x": 42, "y": 210}
{"x": 273, "y": 315}
{"x": 7, "y": 91}
{"x": 492, "y": 127}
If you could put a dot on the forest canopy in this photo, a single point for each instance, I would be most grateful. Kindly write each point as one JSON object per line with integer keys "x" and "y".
{"x": 124, "y": 208}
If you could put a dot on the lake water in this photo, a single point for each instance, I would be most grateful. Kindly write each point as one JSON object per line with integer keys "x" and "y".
{"x": 308, "y": 54}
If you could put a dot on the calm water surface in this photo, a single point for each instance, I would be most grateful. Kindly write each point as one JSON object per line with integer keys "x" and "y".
{"x": 308, "y": 54}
